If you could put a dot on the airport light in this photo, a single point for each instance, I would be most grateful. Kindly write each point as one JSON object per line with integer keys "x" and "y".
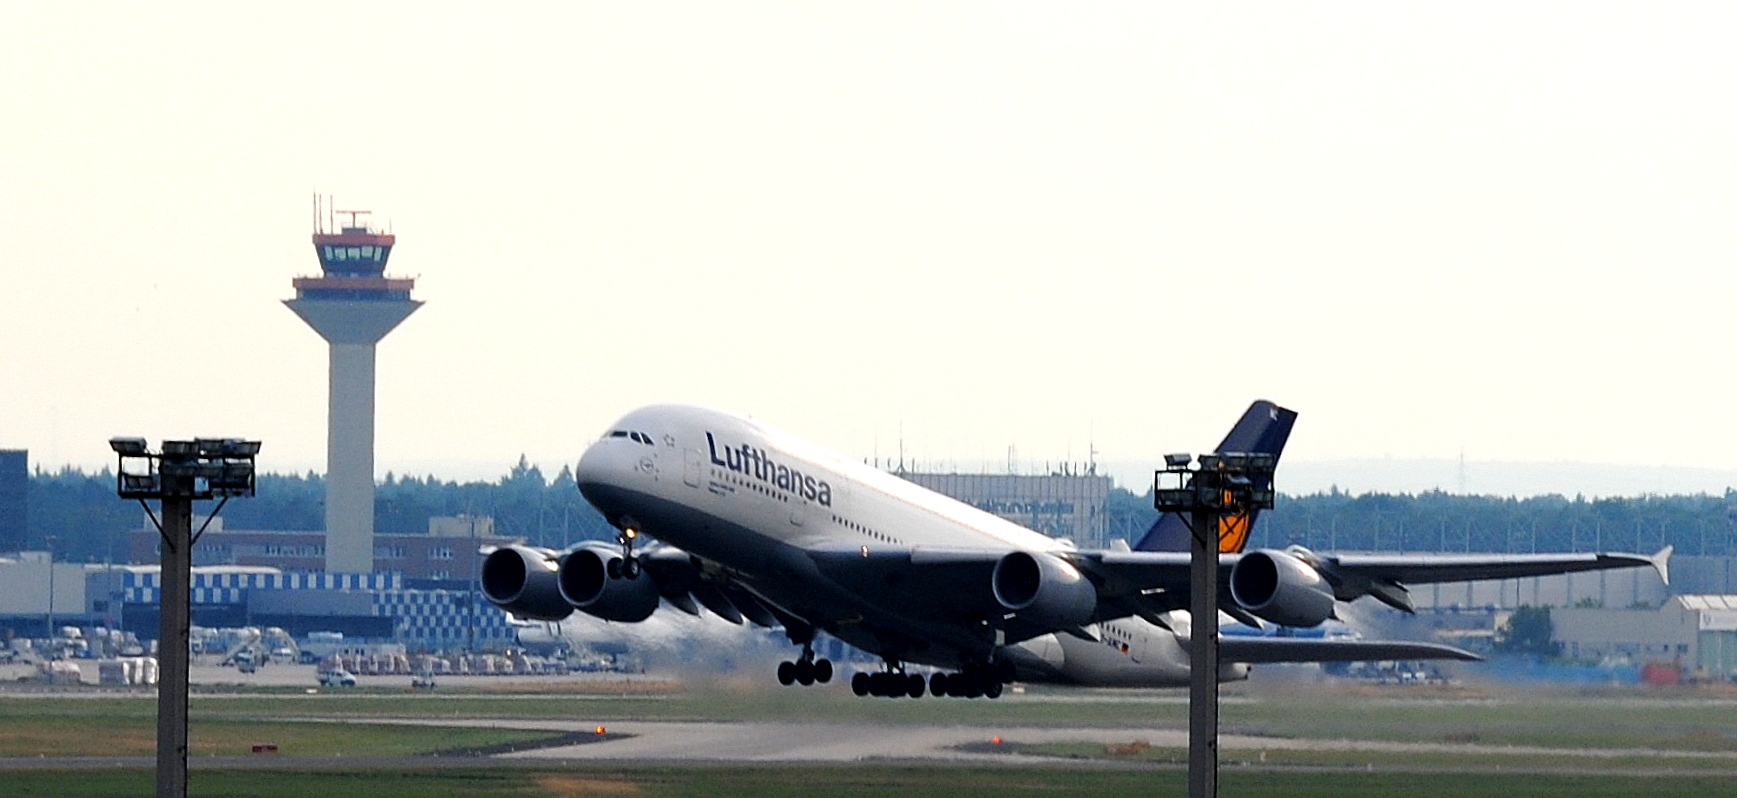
{"x": 1219, "y": 486}
{"x": 181, "y": 473}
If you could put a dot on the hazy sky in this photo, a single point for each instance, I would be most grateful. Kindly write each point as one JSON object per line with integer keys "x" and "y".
{"x": 1498, "y": 229}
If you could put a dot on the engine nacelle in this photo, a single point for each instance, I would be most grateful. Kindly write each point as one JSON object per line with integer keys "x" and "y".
{"x": 1280, "y": 588}
{"x": 1044, "y": 589}
{"x": 521, "y": 580}
{"x": 588, "y": 582}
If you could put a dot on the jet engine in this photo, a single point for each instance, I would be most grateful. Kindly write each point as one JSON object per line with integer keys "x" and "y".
{"x": 1281, "y": 588}
{"x": 593, "y": 579}
{"x": 1044, "y": 589}
{"x": 521, "y": 580}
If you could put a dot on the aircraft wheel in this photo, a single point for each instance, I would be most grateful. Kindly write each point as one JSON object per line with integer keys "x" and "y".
{"x": 859, "y": 684}
{"x": 630, "y": 568}
{"x": 939, "y": 684}
{"x": 915, "y": 684}
{"x": 613, "y": 568}
{"x": 823, "y": 671}
{"x": 804, "y": 672}
{"x": 992, "y": 689}
{"x": 786, "y": 673}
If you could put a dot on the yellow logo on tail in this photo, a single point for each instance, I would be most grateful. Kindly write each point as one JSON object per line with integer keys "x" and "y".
{"x": 1233, "y": 532}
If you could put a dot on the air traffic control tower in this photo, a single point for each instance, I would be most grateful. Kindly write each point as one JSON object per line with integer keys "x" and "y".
{"x": 352, "y": 304}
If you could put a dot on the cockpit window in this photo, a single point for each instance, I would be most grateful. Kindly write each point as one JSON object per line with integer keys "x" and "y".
{"x": 620, "y": 433}
{"x": 636, "y": 437}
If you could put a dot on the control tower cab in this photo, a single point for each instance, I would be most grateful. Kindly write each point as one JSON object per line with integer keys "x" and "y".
{"x": 353, "y": 301}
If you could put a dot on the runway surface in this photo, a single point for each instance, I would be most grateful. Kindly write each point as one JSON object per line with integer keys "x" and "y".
{"x": 780, "y": 742}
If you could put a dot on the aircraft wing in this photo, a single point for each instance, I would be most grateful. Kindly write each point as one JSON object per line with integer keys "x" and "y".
{"x": 1146, "y": 583}
{"x": 1283, "y": 649}
{"x": 1142, "y": 570}
{"x": 1299, "y": 587}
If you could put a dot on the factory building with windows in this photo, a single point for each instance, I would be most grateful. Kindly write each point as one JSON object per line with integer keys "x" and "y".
{"x": 1058, "y": 505}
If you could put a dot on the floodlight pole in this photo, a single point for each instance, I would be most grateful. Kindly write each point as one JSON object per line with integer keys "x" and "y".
{"x": 182, "y": 472}
{"x": 1203, "y": 655}
{"x": 173, "y": 643}
{"x": 1224, "y": 486}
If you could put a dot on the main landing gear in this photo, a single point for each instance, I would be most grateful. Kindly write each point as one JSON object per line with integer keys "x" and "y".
{"x": 806, "y": 670}
{"x": 890, "y": 683}
{"x": 975, "y": 681}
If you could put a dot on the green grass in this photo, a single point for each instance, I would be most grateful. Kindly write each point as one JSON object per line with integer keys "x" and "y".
{"x": 1277, "y": 758}
{"x": 81, "y": 734}
{"x": 850, "y": 782}
{"x": 295, "y": 721}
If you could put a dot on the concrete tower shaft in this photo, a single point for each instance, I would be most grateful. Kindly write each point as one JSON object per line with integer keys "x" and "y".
{"x": 353, "y": 305}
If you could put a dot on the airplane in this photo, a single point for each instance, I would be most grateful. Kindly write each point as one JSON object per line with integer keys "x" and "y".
{"x": 756, "y": 525}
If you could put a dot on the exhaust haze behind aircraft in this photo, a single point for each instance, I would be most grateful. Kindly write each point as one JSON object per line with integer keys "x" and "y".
{"x": 760, "y": 527}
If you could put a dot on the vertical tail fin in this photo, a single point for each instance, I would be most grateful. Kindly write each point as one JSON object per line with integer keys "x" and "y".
{"x": 1263, "y": 429}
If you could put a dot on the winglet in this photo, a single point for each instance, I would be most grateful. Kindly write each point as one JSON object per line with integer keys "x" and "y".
{"x": 1661, "y": 563}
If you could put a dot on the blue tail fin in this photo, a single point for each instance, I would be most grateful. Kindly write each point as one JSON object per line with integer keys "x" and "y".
{"x": 1264, "y": 430}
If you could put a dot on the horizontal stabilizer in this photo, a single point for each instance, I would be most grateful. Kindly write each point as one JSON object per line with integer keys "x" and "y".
{"x": 1428, "y": 568}
{"x": 1291, "y": 649}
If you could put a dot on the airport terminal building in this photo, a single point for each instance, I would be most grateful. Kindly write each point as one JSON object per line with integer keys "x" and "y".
{"x": 427, "y": 615}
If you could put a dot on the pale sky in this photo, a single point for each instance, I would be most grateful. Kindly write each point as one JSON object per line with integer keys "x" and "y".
{"x": 1502, "y": 231}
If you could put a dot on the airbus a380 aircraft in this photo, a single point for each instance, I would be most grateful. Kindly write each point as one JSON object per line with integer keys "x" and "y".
{"x": 754, "y": 524}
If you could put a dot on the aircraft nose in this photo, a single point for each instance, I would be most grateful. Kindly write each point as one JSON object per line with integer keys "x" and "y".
{"x": 595, "y": 466}
{"x": 603, "y": 472}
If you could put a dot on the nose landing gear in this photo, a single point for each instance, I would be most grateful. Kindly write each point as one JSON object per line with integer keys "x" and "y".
{"x": 627, "y": 566}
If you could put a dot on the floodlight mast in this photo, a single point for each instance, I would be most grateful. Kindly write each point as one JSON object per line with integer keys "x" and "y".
{"x": 1221, "y": 487}
{"x": 184, "y": 471}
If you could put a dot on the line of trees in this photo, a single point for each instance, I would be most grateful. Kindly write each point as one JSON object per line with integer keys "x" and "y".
{"x": 1438, "y": 521}
{"x": 89, "y": 523}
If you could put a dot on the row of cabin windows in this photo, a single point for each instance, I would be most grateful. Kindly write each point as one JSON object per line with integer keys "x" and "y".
{"x": 750, "y": 485}
{"x": 873, "y": 533}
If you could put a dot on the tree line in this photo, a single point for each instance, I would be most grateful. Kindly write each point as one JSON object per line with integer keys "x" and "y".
{"x": 89, "y": 524}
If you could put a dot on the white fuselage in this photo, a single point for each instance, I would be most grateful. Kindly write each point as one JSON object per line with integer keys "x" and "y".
{"x": 749, "y": 501}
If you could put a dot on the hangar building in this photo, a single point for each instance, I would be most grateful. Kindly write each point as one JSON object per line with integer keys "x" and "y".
{"x": 1698, "y": 631}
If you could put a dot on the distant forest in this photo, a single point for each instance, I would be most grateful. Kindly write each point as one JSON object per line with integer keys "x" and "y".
{"x": 89, "y": 523}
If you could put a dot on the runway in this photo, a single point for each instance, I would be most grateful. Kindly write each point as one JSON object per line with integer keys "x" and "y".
{"x": 772, "y": 742}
